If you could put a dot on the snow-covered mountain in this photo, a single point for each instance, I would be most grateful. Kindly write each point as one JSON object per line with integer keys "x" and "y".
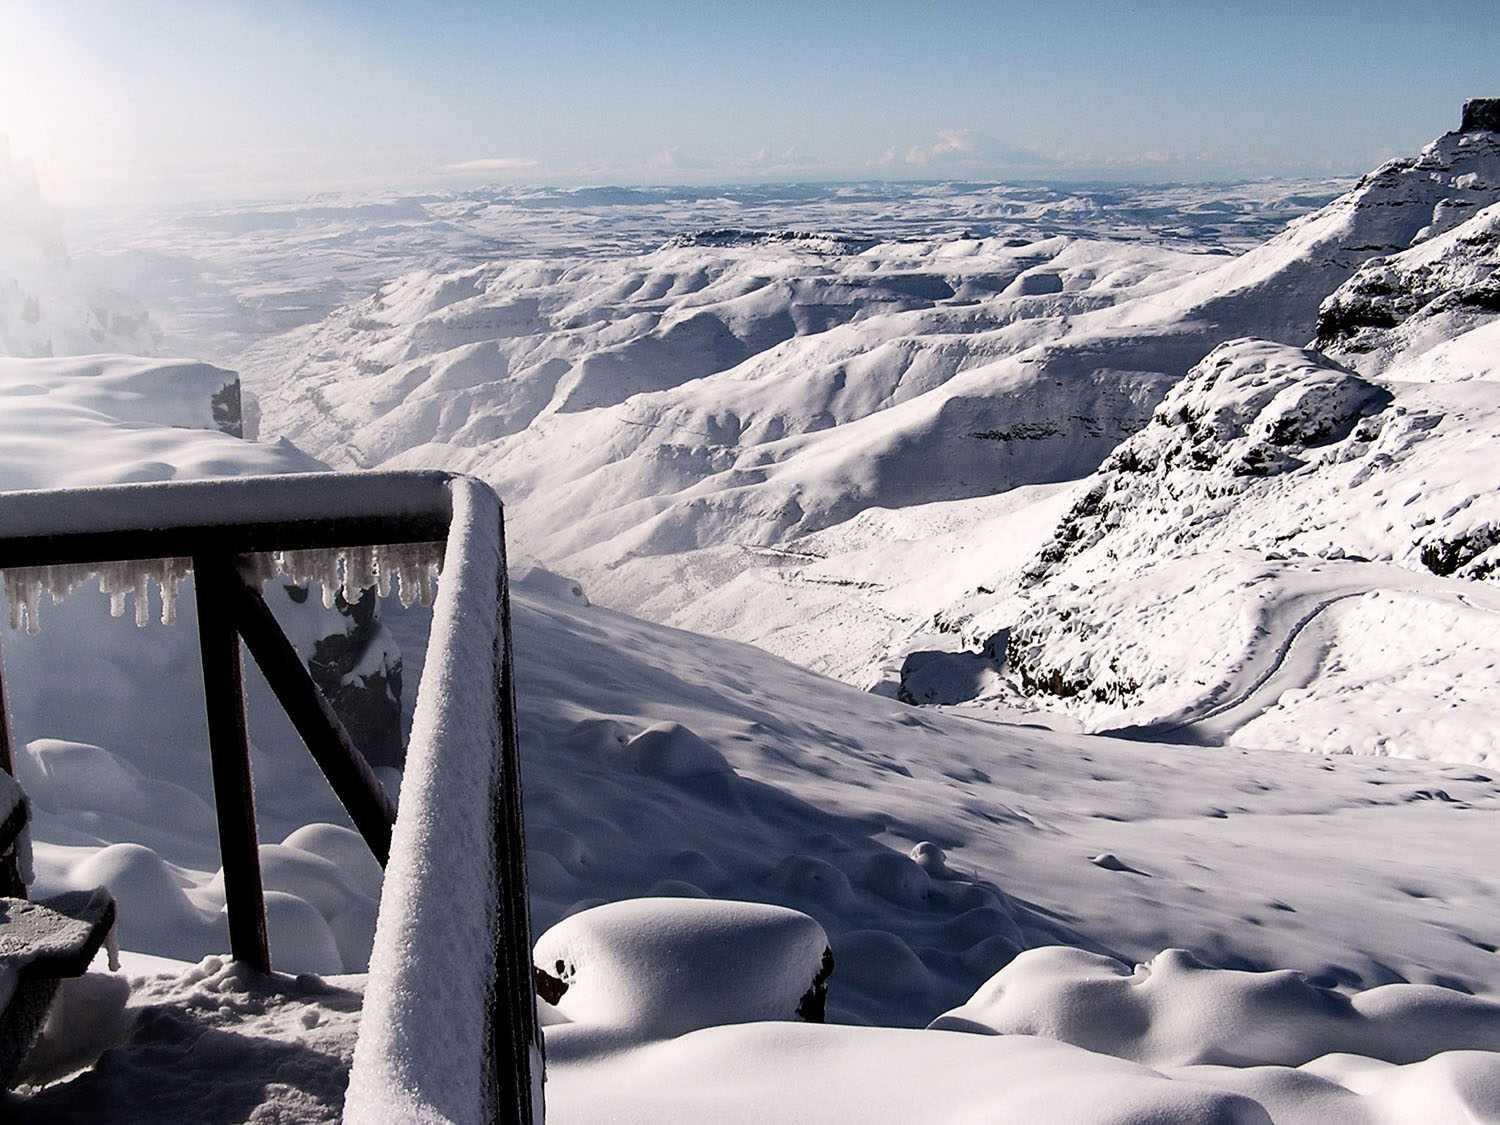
{"x": 849, "y": 442}
{"x": 46, "y": 307}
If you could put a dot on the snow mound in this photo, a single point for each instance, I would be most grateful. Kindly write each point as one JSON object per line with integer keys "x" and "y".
{"x": 543, "y": 582}
{"x": 111, "y": 419}
{"x": 1175, "y": 1011}
{"x": 661, "y": 967}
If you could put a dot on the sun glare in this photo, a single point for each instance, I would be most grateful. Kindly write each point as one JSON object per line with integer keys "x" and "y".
{"x": 58, "y": 108}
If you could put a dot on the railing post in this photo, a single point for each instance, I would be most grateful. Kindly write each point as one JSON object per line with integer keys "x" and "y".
{"x": 215, "y": 581}
{"x": 11, "y": 885}
{"x": 518, "y": 1043}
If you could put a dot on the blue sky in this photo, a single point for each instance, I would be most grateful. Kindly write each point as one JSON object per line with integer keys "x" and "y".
{"x": 177, "y": 101}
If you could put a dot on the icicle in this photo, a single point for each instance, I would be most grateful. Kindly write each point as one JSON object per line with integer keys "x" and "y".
{"x": 113, "y": 583}
{"x": 407, "y": 569}
{"x": 359, "y": 571}
{"x": 13, "y": 597}
{"x": 404, "y": 567}
{"x": 33, "y": 604}
{"x": 25, "y": 863}
{"x": 383, "y": 583}
{"x": 24, "y": 587}
{"x": 142, "y": 598}
{"x": 173, "y": 571}
{"x": 112, "y": 945}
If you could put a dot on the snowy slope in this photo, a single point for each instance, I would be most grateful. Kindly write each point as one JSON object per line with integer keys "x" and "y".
{"x": 929, "y": 848}
{"x": 747, "y": 385}
{"x": 1310, "y": 542}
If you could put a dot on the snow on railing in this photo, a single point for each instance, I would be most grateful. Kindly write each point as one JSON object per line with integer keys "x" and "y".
{"x": 449, "y": 1031}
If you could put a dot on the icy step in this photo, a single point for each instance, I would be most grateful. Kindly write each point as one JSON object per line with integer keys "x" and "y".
{"x": 57, "y": 937}
{"x": 40, "y": 943}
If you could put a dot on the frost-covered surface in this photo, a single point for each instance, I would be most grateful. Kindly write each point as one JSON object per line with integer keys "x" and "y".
{"x": 425, "y": 1051}
{"x": 217, "y": 1043}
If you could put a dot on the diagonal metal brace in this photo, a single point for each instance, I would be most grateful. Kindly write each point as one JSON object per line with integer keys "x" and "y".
{"x": 347, "y": 771}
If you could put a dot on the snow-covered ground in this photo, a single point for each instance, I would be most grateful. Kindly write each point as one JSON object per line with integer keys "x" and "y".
{"x": 1057, "y": 456}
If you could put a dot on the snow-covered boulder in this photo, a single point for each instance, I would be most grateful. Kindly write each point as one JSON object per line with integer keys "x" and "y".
{"x": 660, "y": 967}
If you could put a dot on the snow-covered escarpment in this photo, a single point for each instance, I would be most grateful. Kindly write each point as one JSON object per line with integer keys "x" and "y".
{"x": 690, "y": 425}
{"x": 1297, "y": 538}
{"x": 1427, "y": 313}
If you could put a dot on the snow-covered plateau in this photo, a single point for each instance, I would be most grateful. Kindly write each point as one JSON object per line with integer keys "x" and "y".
{"x": 1065, "y": 613}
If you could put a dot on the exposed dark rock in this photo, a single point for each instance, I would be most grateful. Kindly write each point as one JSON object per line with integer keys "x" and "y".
{"x": 1481, "y": 115}
{"x": 813, "y": 1006}
{"x": 1341, "y": 320}
{"x": 552, "y": 988}
{"x": 228, "y": 415}
{"x": 367, "y": 702}
{"x": 1448, "y": 556}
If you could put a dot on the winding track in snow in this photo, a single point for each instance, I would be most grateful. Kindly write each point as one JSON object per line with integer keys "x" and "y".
{"x": 1214, "y": 725}
{"x": 1199, "y": 729}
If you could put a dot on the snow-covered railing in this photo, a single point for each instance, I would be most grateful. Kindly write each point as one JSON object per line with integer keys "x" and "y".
{"x": 449, "y": 1030}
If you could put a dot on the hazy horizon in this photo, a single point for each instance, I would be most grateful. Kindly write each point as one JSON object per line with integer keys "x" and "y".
{"x": 169, "y": 102}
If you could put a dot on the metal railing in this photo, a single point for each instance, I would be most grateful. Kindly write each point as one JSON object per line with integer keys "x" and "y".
{"x": 428, "y": 998}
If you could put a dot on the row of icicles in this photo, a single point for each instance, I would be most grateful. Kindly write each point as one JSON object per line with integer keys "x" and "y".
{"x": 406, "y": 569}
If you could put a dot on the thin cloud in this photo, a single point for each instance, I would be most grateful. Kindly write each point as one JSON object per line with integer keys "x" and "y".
{"x": 489, "y": 164}
{"x": 966, "y": 150}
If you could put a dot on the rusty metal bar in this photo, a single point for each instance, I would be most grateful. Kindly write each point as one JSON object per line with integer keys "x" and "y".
{"x": 358, "y": 790}
{"x": 215, "y": 581}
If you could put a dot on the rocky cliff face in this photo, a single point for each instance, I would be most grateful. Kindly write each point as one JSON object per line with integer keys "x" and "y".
{"x": 1481, "y": 115}
{"x": 1416, "y": 300}
{"x": 356, "y": 663}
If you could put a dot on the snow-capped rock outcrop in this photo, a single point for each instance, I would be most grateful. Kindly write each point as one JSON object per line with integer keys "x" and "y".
{"x": 1278, "y": 510}
{"x": 1404, "y": 306}
{"x": 1275, "y": 290}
